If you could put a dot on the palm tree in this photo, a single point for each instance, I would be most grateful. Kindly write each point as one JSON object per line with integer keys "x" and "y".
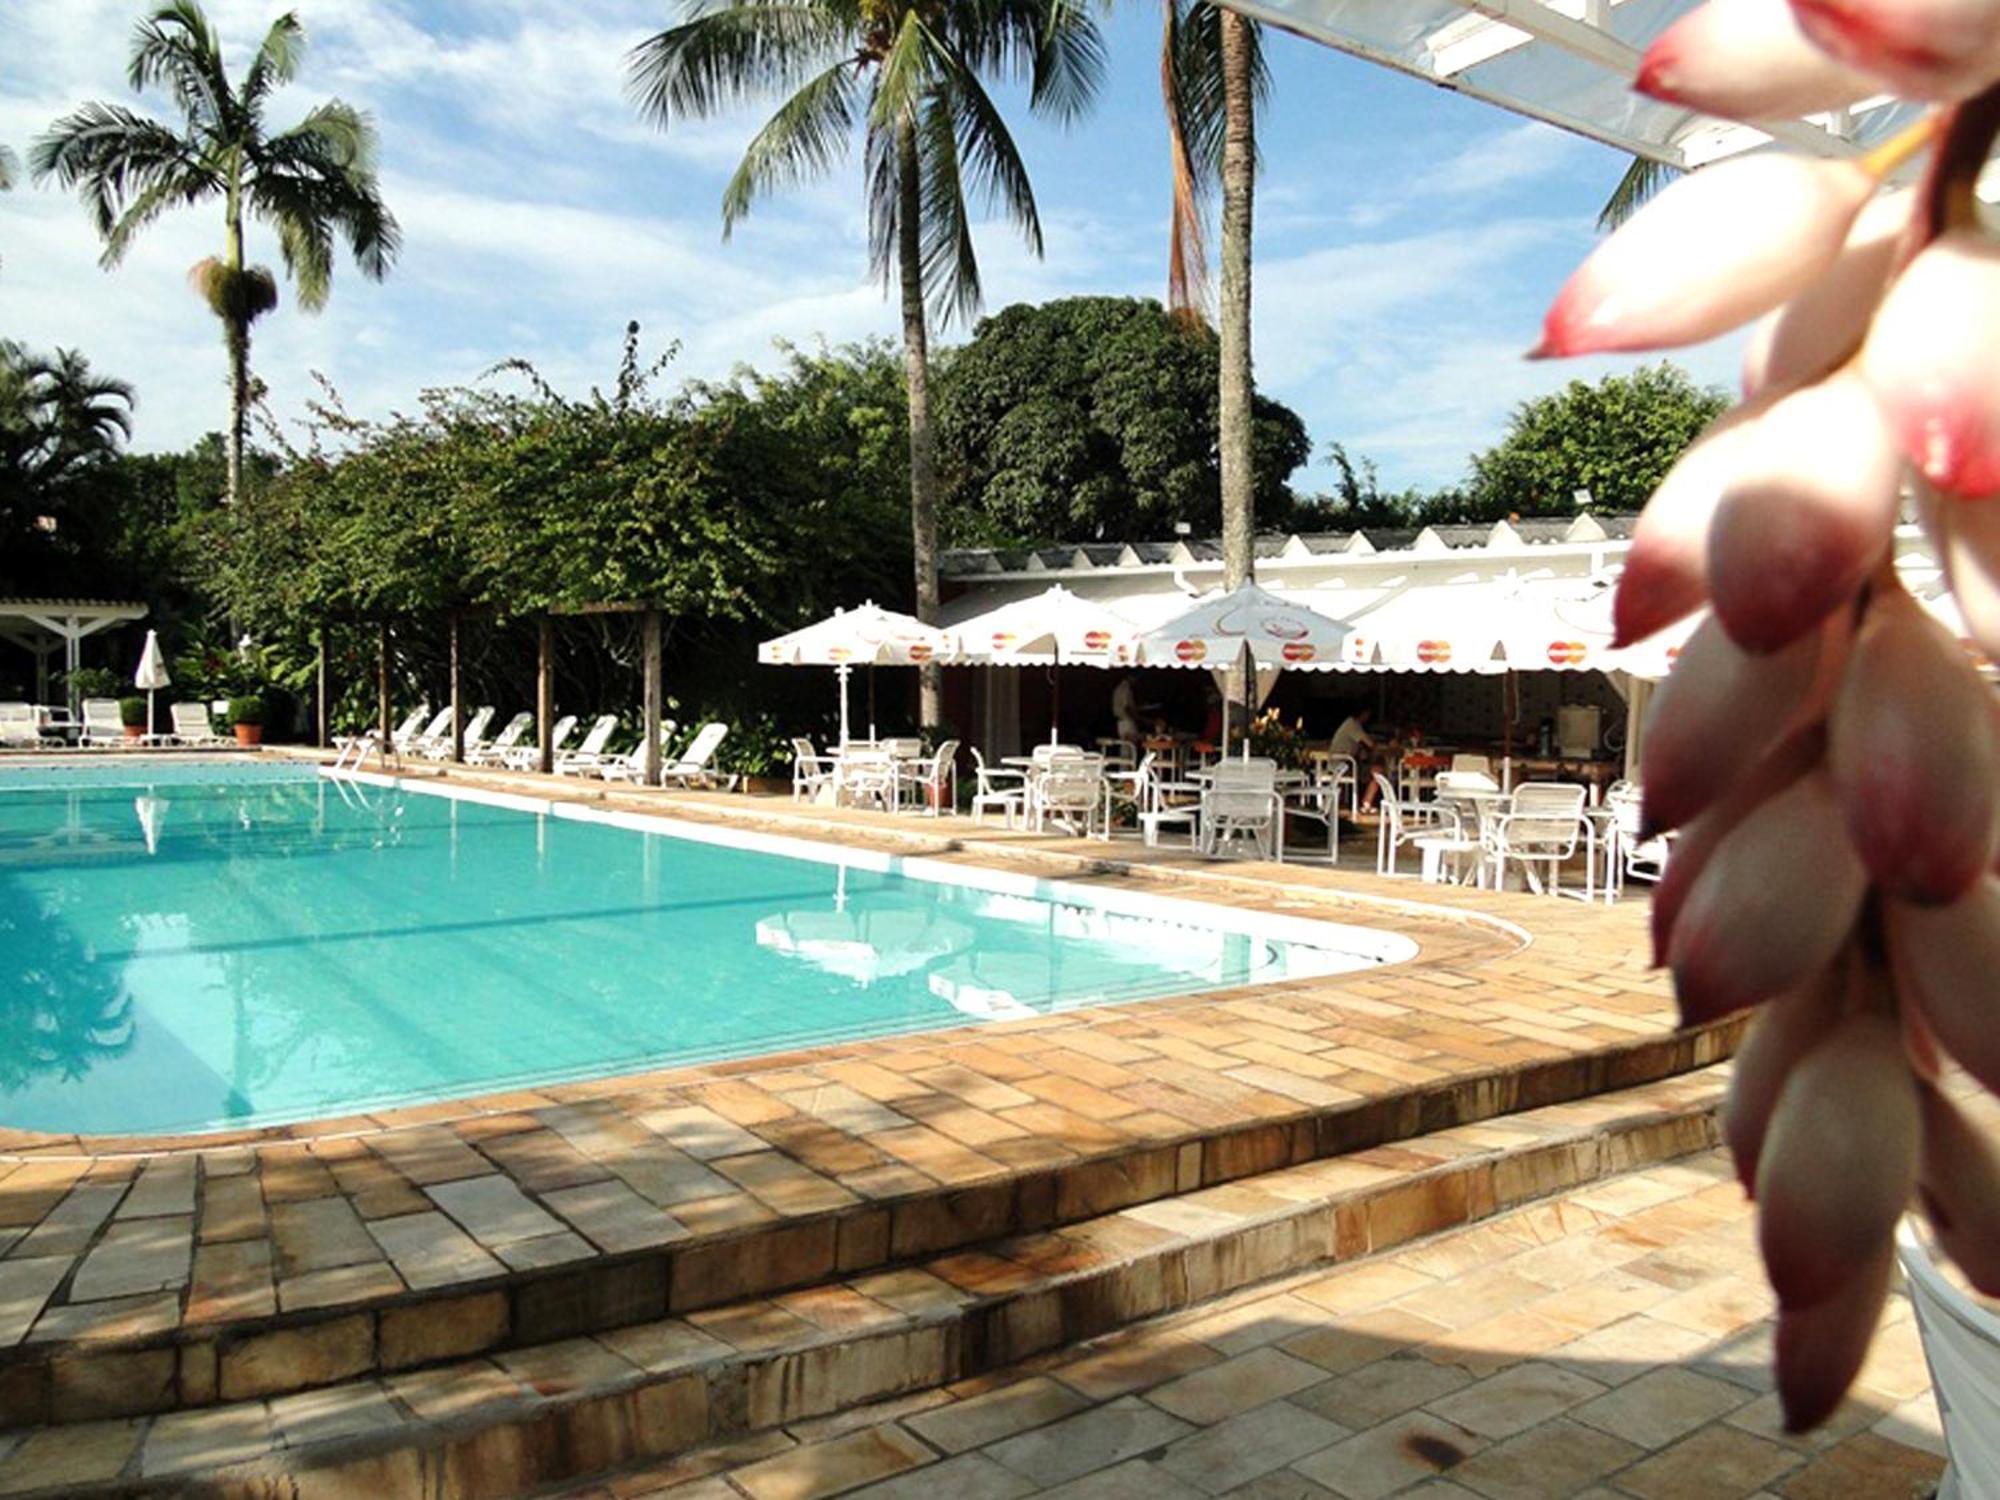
{"x": 908, "y": 74}
{"x": 10, "y": 169}
{"x": 310, "y": 183}
{"x": 1213, "y": 79}
{"x": 1643, "y": 178}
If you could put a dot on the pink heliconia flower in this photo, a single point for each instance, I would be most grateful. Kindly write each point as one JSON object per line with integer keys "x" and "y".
{"x": 1839, "y": 1158}
{"x": 1925, "y": 49}
{"x": 1912, "y": 746}
{"x": 1780, "y": 1034}
{"x": 1929, "y": 358}
{"x": 1806, "y": 515}
{"x": 1716, "y": 249}
{"x": 1820, "y": 1348}
{"x": 1771, "y": 908}
{"x": 1666, "y": 567}
{"x": 1968, "y": 537}
{"x": 1821, "y": 328}
{"x": 1717, "y": 714}
{"x": 1747, "y": 60}
{"x": 1946, "y": 959}
{"x": 1959, "y": 1179}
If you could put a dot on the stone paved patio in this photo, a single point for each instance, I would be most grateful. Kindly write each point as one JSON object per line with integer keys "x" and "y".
{"x": 1512, "y": 1001}
{"x": 1610, "y": 1344}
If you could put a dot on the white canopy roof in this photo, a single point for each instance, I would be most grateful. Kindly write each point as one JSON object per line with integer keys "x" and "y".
{"x": 1042, "y": 627}
{"x": 1568, "y": 62}
{"x": 867, "y": 634}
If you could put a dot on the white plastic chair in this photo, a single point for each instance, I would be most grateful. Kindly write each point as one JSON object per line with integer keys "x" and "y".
{"x": 495, "y": 752}
{"x": 1404, "y": 823}
{"x": 1071, "y": 788}
{"x": 1476, "y": 765}
{"x": 19, "y": 724}
{"x": 1962, "y": 1347}
{"x": 1242, "y": 801}
{"x": 1542, "y": 824}
{"x": 101, "y": 724}
{"x": 587, "y": 756}
{"x": 867, "y": 775}
{"x": 692, "y": 766}
{"x": 933, "y": 779}
{"x": 1635, "y": 856}
{"x": 192, "y": 726}
{"x": 812, "y": 772}
{"x": 1002, "y": 788}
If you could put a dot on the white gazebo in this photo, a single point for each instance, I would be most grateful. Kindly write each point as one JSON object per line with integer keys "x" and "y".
{"x": 43, "y": 627}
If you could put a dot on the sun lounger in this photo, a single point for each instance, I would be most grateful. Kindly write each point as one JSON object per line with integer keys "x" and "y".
{"x": 475, "y": 734}
{"x": 631, "y": 766}
{"x": 495, "y": 754}
{"x": 19, "y": 724}
{"x": 529, "y": 757}
{"x": 101, "y": 723}
{"x": 586, "y": 757}
{"x": 692, "y": 767}
{"x": 192, "y": 726}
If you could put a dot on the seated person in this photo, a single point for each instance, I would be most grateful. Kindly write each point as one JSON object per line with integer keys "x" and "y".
{"x": 1352, "y": 739}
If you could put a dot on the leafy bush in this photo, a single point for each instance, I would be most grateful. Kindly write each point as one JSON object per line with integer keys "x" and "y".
{"x": 132, "y": 713}
{"x": 92, "y": 682}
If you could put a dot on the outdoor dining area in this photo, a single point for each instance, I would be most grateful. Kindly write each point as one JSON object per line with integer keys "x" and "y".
{"x": 1255, "y": 788}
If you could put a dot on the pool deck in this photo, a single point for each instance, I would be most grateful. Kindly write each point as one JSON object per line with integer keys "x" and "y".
{"x": 147, "y": 1274}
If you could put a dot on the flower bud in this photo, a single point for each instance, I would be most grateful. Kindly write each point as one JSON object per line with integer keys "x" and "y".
{"x": 1807, "y": 513}
{"x": 1959, "y": 1179}
{"x": 1717, "y": 714}
{"x": 1839, "y": 1159}
{"x": 1714, "y": 250}
{"x": 1822, "y": 327}
{"x": 1925, "y": 49}
{"x": 1929, "y": 358}
{"x": 1780, "y": 1035}
{"x": 1968, "y": 540}
{"x": 1666, "y": 567}
{"x": 1820, "y": 1348}
{"x": 1776, "y": 901}
{"x": 1913, "y": 750}
{"x": 1747, "y": 60}
{"x": 1946, "y": 958}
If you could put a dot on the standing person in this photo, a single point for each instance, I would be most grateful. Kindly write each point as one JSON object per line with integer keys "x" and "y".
{"x": 1352, "y": 739}
{"x": 1125, "y": 707}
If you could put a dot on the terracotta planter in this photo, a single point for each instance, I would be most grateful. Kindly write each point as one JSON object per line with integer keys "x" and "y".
{"x": 249, "y": 734}
{"x": 135, "y": 731}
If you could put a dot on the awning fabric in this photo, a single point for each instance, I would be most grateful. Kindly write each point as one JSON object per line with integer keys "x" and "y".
{"x": 1055, "y": 624}
{"x": 863, "y": 636}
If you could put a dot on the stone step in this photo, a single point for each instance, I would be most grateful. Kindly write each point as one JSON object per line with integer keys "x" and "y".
{"x": 511, "y": 1422}
{"x": 140, "y": 1350}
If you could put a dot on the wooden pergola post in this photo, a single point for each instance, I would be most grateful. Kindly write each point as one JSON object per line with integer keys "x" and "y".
{"x": 545, "y": 692}
{"x": 457, "y": 698}
{"x": 382, "y": 709}
{"x": 649, "y": 658}
{"x": 324, "y": 738}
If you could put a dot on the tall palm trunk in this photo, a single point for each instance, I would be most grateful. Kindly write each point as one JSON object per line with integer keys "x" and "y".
{"x": 236, "y": 335}
{"x": 917, "y": 367}
{"x": 1239, "y": 167}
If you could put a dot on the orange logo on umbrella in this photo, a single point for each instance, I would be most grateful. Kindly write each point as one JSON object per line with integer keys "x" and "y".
{"x": 920, "y": 651}
{"x": 1433, "y": 652}
{"x": 1191, "y": 650}
{"x": 1096, "y": 640}
{"x": 838, "y": 653}
{"x": 1299, "y": 651}
{"x": 1567, "y": 653}
{"x": 1002, "y": 640}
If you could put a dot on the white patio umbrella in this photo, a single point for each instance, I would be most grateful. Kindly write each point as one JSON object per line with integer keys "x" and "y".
{"x": 1050, "y": 628}
{"x": 864, "y": 636}
{"x": 152, "y": 815}
{"x": 151, "y": 673}
{"x": 1249, "y": 629}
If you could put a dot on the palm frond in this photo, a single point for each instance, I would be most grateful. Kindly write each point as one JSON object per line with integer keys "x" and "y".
{"x": 809, "y": 132}
{"x": 176, "y": 47}
{"x": 10, "y": 169}
{"x": 1643, "y": 178}
{"x": 991, "y": 162}
{"x": 906, "y": 73}
{"x": 1069, "y": 67}
{"x": 1198, "y": 76}
{"x": 884, "y": 198}
{"x": 335, "y": 133}
{"x": 277, "y": 61}
{"x": 730, "y": 54}
{"x": 950, "y": 267}
{"x": 1187, "y": 230}
{"x": 316, "y": 181}
{"x": 112, "y": 156}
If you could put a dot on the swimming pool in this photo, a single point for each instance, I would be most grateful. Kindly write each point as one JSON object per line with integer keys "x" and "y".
{"x": 189, "y": 947}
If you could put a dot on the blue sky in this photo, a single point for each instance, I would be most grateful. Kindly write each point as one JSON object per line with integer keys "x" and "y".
{"x": 1407, "y": 239}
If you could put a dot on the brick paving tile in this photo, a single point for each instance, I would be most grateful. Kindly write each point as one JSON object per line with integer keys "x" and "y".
{"x": 970, "y": 1476}
{"x": 997, "y": 1414}
{"x": 832, "y": 1467}
{"x": 1252, "y": 1443}
{"x": 1660, "y": 1406}
{"x": 1716, "y": 1463}
{"x": 493, "y": 1210}
{"x": 1095, "y": 1439}
{"x": 429, "y": 1250}
{"x": 1391, "y": 1456}
{"x": 164, "y": 1186}
{"x": 1235, "y": 1385}
{"x": 137, "y": 1255}
{"x": 318, "y": 1234}
{"x": 25, "y": 1286}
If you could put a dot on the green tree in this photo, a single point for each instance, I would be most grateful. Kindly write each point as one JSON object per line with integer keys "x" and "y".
{"x": 311, "y": 184}
{"x": 1090, "y": 419}
{"x": 60, "y": 423}
{"x": 910, "y": 75}
{"x": 1616, "y": 439}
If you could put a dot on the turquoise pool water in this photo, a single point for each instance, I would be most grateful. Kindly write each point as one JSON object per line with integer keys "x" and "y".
{"x": 185, "y": 947}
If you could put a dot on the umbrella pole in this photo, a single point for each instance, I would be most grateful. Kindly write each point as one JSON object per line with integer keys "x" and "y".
{"x": 1055, "y": 698}
{"x": 842, "y": 672}
{"x": 873, "y": 733}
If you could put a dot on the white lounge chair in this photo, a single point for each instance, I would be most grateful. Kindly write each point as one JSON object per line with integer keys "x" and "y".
{"x": 421, "y": 742}
{"x": 693, "y": 764}
{"x": 475, "y": 734}
{"x": 1002, "y": 788}
{"x": 495, "y": 753}
{"x": 631, "y": 766}
{"x": 101, "y": 723}
{"x": 529, "y": 757}
{"x": 192, "y": 726}
{"x": 586, "y": 757}
{"x": 19, "y": 724}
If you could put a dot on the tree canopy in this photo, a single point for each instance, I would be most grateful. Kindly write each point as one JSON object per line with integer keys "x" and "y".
{"x": 1094, "y": 418}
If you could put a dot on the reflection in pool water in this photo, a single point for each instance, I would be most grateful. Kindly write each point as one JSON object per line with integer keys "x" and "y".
{"x": 204, "y": 948}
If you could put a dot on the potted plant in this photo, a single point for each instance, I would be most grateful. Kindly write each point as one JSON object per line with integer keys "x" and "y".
{"x": 132, "y": 714}
{"x": 247, "y": 715}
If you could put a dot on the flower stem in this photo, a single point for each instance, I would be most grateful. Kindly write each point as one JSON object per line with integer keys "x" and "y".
{"x": 1900, "y": 147}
